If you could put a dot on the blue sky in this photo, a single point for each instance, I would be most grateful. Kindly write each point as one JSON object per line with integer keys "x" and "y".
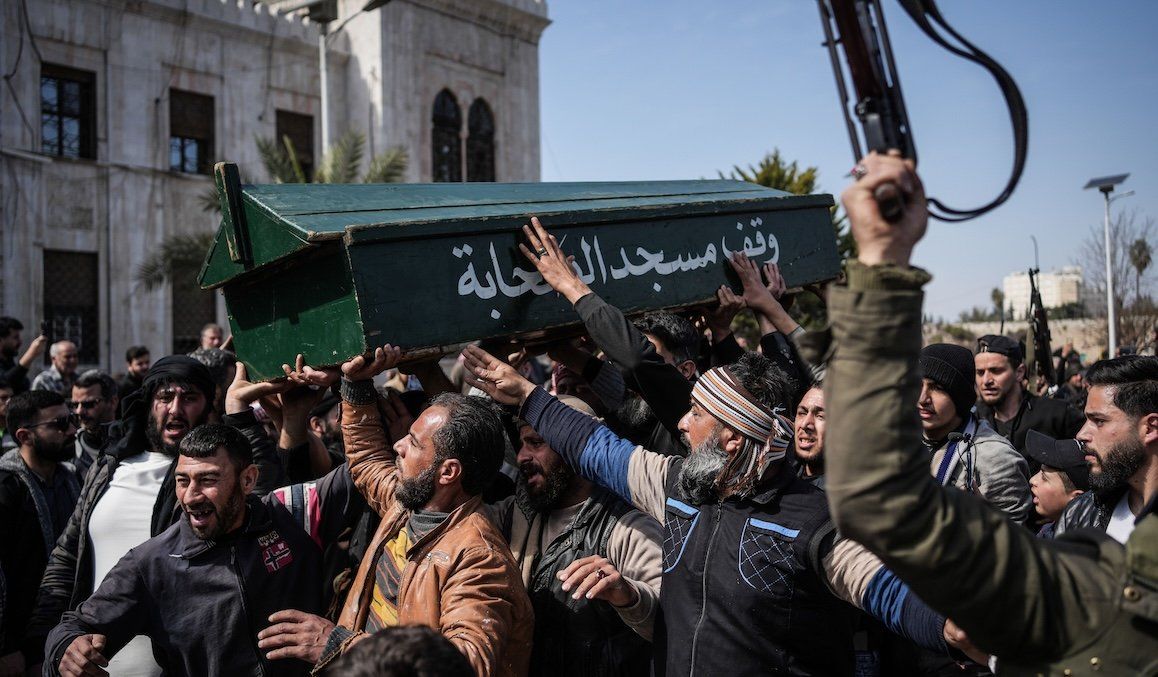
{"x": 680, "y": 89}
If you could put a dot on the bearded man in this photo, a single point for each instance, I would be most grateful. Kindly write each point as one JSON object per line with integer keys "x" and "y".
{"x": 809, "y": 430}
{"x": 1008, "y": 406}
{"x": 436, "y": 559}
{"x": 203, "y": 589}
{"x": 1123, "y": 469}
{"x": 94, "y": 403}
{"x": 561, "y": 528}
{"x": 754, "y": 572}
{"x": 129, "y": 495}
{"x": 38, "y": 490}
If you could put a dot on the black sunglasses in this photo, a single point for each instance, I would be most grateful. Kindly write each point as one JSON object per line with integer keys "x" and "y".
{"x": 84, "y": 404}
{"x": 61, "y": 423}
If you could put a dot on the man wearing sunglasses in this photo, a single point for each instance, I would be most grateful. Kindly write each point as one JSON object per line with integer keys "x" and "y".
{"x": 94, "y": 403}
{"x": 38, "y": 490}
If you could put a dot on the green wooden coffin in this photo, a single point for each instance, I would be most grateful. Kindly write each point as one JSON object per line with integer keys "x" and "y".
{"x": 331, "y": 271}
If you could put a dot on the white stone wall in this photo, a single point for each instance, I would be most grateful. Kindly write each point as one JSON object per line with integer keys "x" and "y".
{"x": 385, "y": 68}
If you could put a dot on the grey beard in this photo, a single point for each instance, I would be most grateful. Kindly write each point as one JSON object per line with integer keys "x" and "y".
{"x": 556, "y": 485}
{"x": 697, "y": 477}
{"x": 1118, "y": 465}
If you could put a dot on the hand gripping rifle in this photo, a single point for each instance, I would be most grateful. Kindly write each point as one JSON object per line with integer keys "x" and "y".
{"x": 858, "y": 27}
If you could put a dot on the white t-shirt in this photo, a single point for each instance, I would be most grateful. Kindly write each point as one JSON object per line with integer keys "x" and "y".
{"x": 1122, "y": 521}
{"x": 121, "y": 521}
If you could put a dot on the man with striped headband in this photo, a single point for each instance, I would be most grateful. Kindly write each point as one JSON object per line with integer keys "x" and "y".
{"x": 753, "y": 570}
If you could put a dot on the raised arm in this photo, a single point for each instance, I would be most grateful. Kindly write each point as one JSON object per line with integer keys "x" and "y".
{"x": 630, "y": 472}
{"x": 369, "y": 451}
{"x": 996, "y": 581}
{"x": 19, "y": 371}
{"x": 238, "y": 398}
{"x": 661, "y": 385}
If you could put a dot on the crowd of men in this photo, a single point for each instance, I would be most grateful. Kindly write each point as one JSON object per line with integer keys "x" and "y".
{"x": 650, "y": 498}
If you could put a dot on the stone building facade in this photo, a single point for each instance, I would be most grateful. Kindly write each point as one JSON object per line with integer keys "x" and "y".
{"x": 1057, "y": 287}
{"x": 113, "y": 112}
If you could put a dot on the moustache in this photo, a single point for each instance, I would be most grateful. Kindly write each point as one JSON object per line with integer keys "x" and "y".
{"x": 202, "y": 507}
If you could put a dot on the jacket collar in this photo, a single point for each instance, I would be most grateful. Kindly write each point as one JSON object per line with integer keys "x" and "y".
{"x": 456, "y": 517}
{"x": 774, "y": 486}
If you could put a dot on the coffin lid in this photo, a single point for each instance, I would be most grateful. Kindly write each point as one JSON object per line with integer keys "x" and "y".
{"x": 266, "y": 224}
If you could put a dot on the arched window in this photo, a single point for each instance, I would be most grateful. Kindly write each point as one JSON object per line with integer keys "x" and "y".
{"x": 480, "y": 145}
{"x": 445, "y": 142}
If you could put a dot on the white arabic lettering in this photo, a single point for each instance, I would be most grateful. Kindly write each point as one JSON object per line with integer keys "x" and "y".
{"x": 760, "y": 245}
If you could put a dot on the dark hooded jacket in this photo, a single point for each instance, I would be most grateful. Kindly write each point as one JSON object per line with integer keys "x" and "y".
{"x": 27, "y": 534}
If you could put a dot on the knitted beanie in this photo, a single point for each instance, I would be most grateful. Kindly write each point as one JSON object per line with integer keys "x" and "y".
{"x": 951, "y": 367}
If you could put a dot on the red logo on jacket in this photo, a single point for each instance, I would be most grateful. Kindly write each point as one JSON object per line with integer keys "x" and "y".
{"x": 275, "y": 553}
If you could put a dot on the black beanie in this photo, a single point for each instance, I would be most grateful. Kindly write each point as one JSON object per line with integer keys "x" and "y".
{"x": 951, "y": 367}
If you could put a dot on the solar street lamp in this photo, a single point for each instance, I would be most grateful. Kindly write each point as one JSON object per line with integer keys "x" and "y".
{"x": 1106, "y": 185}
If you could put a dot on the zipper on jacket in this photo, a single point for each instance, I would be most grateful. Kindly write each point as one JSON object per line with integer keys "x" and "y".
{"x": 704, "y": 586}
{"x": 245, "y": 609}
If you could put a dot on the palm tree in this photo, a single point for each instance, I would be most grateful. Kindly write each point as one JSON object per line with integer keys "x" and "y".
{"x": 998, "y": 298}
{"x": 339, "y": 165}
{"x": 1140, "y": 259}
{"x": 182, "y": 254}
{"x": 774, "y": 171}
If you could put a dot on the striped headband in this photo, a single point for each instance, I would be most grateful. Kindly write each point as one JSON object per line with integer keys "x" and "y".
{"x": 722, "y": 395}
{"x": 768, "y": 433}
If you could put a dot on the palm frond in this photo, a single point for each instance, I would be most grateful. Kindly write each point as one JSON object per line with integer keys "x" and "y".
{"x": 388, "y": 166}
{"x": 295, "y": 164}
{"x": 209, "y": 200}
{"x": 341, "y": 162}
{"x": 275, "y": 160}
{"x": 775, "y": 172}
{"x": 177, "y": 253}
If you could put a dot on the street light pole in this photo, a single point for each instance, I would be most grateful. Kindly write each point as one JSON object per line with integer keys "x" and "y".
{"x": 323, "y": 72}
{"x": 1106, "y": 186}
{"x": 1110, "y": 311}
{"x": 323, "y": 12}
{"x": 1109, "y": 277}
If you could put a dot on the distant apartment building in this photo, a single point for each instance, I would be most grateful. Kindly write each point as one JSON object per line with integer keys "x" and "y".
{"x": 1058, "y": 288}
{"x": 114, "y": 112}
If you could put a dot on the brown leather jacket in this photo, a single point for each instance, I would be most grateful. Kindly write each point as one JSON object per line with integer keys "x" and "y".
{"x": 460, "y": 578}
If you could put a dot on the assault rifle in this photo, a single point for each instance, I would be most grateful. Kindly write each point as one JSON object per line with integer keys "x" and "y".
{"x": 858, "y": 27}
{"x": 1040, "y": 358}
